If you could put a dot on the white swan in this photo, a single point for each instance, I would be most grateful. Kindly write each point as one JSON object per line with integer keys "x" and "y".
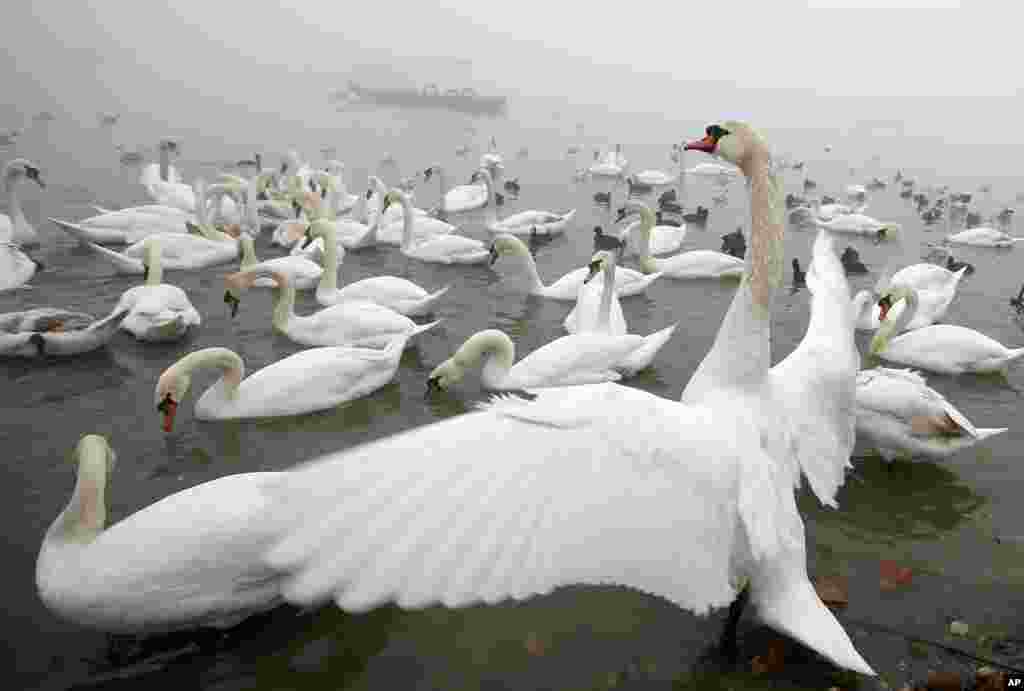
{"x": 583, "y": 484}
{"x": 190, "y": 560}
{"x": 47, "y": 331}
{"x": 399, "y": 294}
{"x": 392, "y": 214}
{"x": 310, "y": 380}
{"x": 511, "y": 259}
{"x": 303, "y": 273}
{"x": 713, "y": 170}
{"x": 351, "y": 323}
{"x": 392, "y": 231}
{"x": 655, "y": 178}
{"x": 692, "y": 264}
{"x": 935, "y": 285}
{"x": 158, "y": 311}
{"x": 16, "y": 267}
{"x": 604, "y": 316}
{"x": 342, "y": 201}
{"x": 567, "y": 361}
{"x": 178, "y": 251}
{"x": 438, "y": 249}
{"x": 942, "y": 348}
{"x": 16, "y": 227}
{"x": 524, "y": 222}
{"x": 608, "y": 166}
{"x": 982, "y": 237}
{"x": 859, "y": 224}
{"x": 899, "y": 414}
{"x": 664, "y": 239}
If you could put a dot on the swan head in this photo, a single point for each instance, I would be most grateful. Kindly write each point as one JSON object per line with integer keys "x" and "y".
{"x": 94, "y": 446}
{"x": 598, "y": 263}
{"x": 171, "y": 388}
{"x": 731, "y": 140}
{"x": 509, "y": 245}
{"x": 445, "y": 375}
{"x": 22, "y": 167}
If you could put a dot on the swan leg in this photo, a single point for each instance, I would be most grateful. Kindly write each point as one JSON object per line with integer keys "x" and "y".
{"x": 727, "y": 644}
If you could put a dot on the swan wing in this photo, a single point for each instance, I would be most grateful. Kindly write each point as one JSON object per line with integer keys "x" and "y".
{"x": 815, "y": 385}
{"x": 582, "y": 485}
{"x": 565, "y": 359}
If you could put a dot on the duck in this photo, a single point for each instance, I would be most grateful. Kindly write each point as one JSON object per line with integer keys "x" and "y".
{"x": 351, "y": 323}
{"x": 852, "y": 263}
{"x": 936, "y": 287}
{"x": 439, "y": 249}
{"x": 735, "y": 244}
{"x": 898, "y": 414}
{"x": 940, "y": 348}
{"x": 512, "y": 186}
{"x": 982, "y": 236}
{"x": 308, "y": 381}
{"x": 171, "y": 574}
{"x": 688, "y": 265}
{"x": 603, "y": 198}
{"x": 567, "y": 361}
{"x": 49, "y": 331}
{"x": 16, "y": 227}
{"x": 304, "y": 273}
{"x": 399, "y": 294}
{"x": 157, "y": 312}
{"x": 518, "y": 270}
{"x": 654, "y": 178}
{"x": 607, "y": 242}
{"x": 954, "y": 265}
{"x": 799, "y": 277}
{"x": 549, "y": 529}
{"x": 602, "y": 314}
{"x": 522, "y": 223}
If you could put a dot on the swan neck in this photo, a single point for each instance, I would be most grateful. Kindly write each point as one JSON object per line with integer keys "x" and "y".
{"x": 248, "y": 253}
{"x": 443, "y": 181}
{"x": 765, "y": 264}
{"x": 407, "y": 220}
{"x": 165, "y": 163}
{"x": 492, "y": 202}
{"x": 227, "y": 361}
{"x": 329, "y": 278}
{"x": 13, "y": 198}
{"x": 900, "y": 323}
{"x": 85, "y": 516}
{"x": 497, "y": 351}
{"x": 154, "y": 263}
{"x": 604, "y": 314}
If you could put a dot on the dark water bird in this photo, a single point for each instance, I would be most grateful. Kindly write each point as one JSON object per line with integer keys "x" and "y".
{"x": 793, "y": 201}
{"x": 799, "y": 276}
{"x": 603, "y": 198}
{"x": 828, "y": 200}
{"x": 851, "y": 262}
{"x": 954, "y": 265}
{"x": 973, "y": 219}
{"x": 637, "y": 187}
{"x": 667, "y": 196}
{"x": 699, "y": 217}
{"x": 907, "y": 193}
{"x": 537, "y": 240}
{"x": 607, "y": 242}
{"x": 671, "y": 207}
{"x": 659, "y": 219}
{"x": 512, "y": 186}
{"x": 1017, "y": 303}
{"x": 735, "y": 244}
{"x": 809, "y": 185}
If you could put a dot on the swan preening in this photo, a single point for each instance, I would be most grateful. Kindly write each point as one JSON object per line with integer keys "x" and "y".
{"x": 376, "y": 524}
{"x": 46, "y": 331}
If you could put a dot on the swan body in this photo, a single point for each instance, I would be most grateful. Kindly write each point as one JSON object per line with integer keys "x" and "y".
{"x": 655, "y": 177}
{"x": 858, "y": 224}
{"x": 982, "y": 237}
{"x": 524, "y": 222}
{"x": 439, "y": 249}
{"x": 511, "y": 258}
{"x": 16, "y": 267}
{"x": 157, "y": 312}
{"x": 941, "y": 348}
{"x": 899, "y": 414}
{"x": 399, "y": 294}
{"x": 936, "y": 287}
{"x": 190, "y": 560}
{"x": 46, "y": 331}
{"x": 827, "y": 212}
{"x": 501, "y": 509}
{"x": 688, "y": 265}
{"x": 123, "y": 227}
{"x": 179, "y": 252}
{"x": 351, "y": 323}
{"x": 310, "y": 380}
{"x": 16, "y": 227}
{"x": 568, "y": 361}
{"x": 712, "y": 170}
{"x": 664, "y": 239}
{"x": 303, "y": 273}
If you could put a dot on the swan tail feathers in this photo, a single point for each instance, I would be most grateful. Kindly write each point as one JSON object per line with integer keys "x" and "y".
{"x": 642, "y": 357}
{"x": 109, "y": 325}
{"x": 421, "y": 328}
{"x": 986, "y": 432}
{"x": 78, "y": 232}
{"x": 1014, "y": 355}
{"x": 101, "y": 209}
{"x": 122, "y": 264}
{"x": 795, "y": 609}
{"x": 425, "y": 305}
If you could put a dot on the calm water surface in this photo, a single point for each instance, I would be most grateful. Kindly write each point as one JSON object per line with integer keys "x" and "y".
{"x": 942, "y": 520}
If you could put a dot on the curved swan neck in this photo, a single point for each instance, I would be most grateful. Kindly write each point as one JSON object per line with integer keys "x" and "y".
{"x": 329, "y": 278}
{"x": 907, "y": 315}
{"x": 83, "y": 519}
{"x": 248, "y": 252}
{"x": 227, "y": 361}
{"x": 492, "y": 202}
{"x": 407, "y": 220}
{"x": 647, "y": 223}
{"x": 741, "y": 354}
{"x": 519, "y": 256}
{"x": 495, "y": 348}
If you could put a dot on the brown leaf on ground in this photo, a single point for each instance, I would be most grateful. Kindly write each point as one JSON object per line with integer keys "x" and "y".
{"x": 833, "y": 590}
{"x": 534, "y": 645}
{"x": 989, "y": 679}
{"x": 943, "y": 681}
{"x": 893, "y": 576}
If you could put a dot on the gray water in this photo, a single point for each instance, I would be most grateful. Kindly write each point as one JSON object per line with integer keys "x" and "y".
{"x": 943, "y": 520}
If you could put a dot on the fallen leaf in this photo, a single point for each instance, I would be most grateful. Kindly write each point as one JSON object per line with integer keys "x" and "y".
{"x": 943, "y": 681}
{"x": 833, "y": 591}
{"x": 989, "y": 679}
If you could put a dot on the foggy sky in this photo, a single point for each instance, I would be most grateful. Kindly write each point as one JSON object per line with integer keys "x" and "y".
{"x": 949, "y": 78}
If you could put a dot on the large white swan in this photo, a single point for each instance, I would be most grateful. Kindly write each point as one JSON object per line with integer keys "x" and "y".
{"x": 942, "y": 348}
{"x": 585, "y": 484}
{"x": 460, "y": 198}
{"x": 47, "y": 331}
{"x": 567, "y": 361}
{"x": 16, "y": 227}
{"x": 16, "y": 267}
{"x": 899, "y": 414}
{"x": 352, "y": 323}
{"x": 692, "y": 264}
{"x": 190, "y": 560}
{"x": 399, "y": 294}
{"x": 599, "y": 311}
{"x": 859, "y": 224}
{"x": 158, "y": 311}
{"x": 392, "y": 231}
{"x": 310, "y": 380}
{"x": 511, "y": 258}
{"x": 983, "y": 237}
{"x": 524, "y": 222}
{"x": 655, "y": 178}
{"x": 664, "y": 239}
{"x": 438, "y": 249}
{"x": 936, "y": 287}
{"x": 304, "y": 273}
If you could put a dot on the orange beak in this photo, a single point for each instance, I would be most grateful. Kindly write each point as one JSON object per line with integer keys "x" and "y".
{"x": 168, "y": 408}
{"x": 707, "y": 145}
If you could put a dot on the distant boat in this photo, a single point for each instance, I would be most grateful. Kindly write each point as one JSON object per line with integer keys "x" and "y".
{"x": 462, "y": 100}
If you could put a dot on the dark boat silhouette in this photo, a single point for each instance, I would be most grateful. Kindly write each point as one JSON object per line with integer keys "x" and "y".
{"x": 462, "y": 100}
